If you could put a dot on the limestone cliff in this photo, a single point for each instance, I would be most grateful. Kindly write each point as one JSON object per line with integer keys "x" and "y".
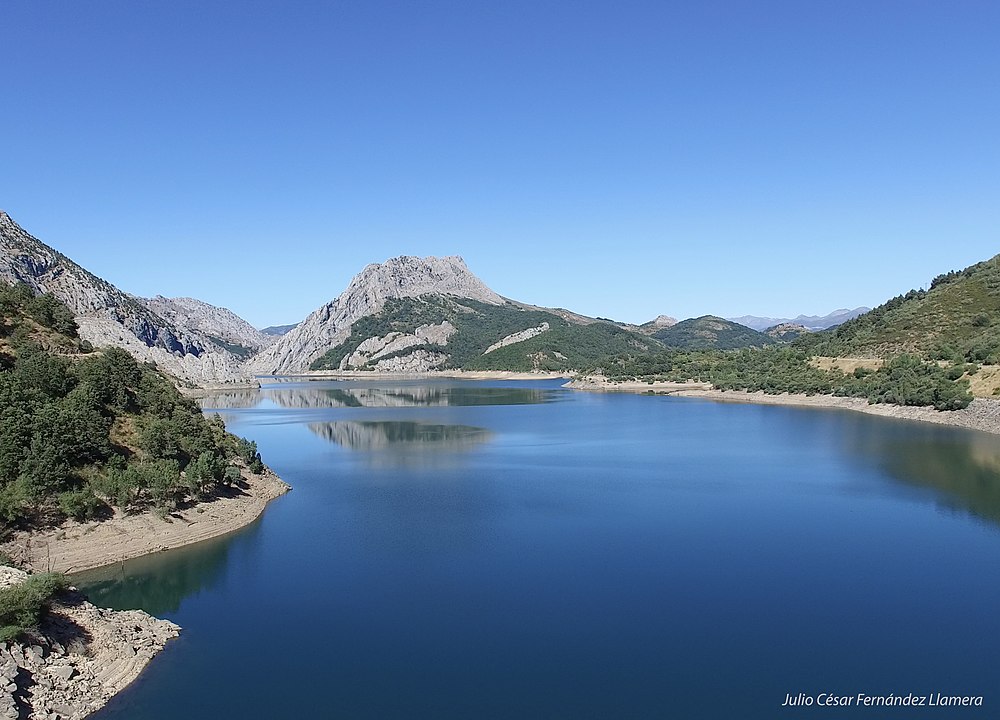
{"x": 217, "y": 323}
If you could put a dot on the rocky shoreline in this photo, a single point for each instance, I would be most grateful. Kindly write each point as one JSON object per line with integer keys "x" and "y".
{"x": 82, "y": 655}
{"x": 75, "y": 546}
{"x": 78, "y": 659}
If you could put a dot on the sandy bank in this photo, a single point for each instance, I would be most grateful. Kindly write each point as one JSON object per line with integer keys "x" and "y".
{"x": 74, "y": 546}
{"x": 982, "y": 414}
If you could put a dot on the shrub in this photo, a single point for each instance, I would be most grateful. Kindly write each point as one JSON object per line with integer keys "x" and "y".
{"x": 81, "y": 504}
{"x": 22, "y": 605}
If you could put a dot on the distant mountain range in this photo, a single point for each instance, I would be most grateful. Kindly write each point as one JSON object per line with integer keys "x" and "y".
{"x": 412, "y": 314}
{"x": 810, "y": 322}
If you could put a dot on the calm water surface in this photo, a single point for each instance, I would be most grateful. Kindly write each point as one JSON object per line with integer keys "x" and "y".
{"x": 514, "y": 550}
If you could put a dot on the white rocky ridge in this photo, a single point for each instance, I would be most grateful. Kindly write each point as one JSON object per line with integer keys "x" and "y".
{"x": 375, "y": 348}
{"x": 401, "y": 277}
{"x": 517, "y": 337}
{"x": 108, "y": 316}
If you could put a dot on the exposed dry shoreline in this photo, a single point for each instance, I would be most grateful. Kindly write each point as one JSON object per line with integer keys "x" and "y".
{"x": 982, "y": 414}
{"x": 75, "y": 547}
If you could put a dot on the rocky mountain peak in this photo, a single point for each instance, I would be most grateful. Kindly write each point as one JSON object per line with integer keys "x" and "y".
{"x": 409, "y": 276}
{"x": 400, "y": 277}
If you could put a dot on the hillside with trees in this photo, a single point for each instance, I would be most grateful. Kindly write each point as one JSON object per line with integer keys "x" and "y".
{"x": 83, "y": 431}
{"x": 957, "y": 320}
{"x": 711, "y": 333}
{"x": 904, "y": 380}
{"x": 927, "y": 346}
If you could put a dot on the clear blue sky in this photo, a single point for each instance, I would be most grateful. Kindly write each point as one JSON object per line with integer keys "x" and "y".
{"x": 622, "y": 159}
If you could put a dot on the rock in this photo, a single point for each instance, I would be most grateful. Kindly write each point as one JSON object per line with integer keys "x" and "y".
{"x": 93, "y": 655}
{"x": 400, "y": 277}
{"x": 64, "y": 672}
{"x": 373, "y": 349}
{"x": 517, "y": 337}
{"x": 210, "y": 320}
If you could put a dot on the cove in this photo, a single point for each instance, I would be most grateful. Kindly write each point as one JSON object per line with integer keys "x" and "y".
{"x": 457, "y": 549}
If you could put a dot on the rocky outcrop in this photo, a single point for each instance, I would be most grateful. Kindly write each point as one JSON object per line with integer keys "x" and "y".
{"x": 214, "y": 322}
{"x": 108, "y": 316}
{"x": 786, "y": 332}
{"x": 663, "y": 321}
{"x": 373, "y": 349}
{"x": 418, "y": 361}
{"x": 401, "y": 277}
{"x": 79, "y": 657}
{"x": 660, "y": 323}
{"x": 517, "y": 337}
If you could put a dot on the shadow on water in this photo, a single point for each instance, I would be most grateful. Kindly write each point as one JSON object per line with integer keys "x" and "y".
{"x": 160, "y": 582}
{"x": 961, "y": 467}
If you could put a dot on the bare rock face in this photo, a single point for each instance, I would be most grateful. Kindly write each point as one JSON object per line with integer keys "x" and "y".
{"x": 108, "y": 316}
{"x": 517, "y": 337}
{"x": 210, "y": 320}
{"x": 374, "y": 349}
{"x": 400, "y": 277}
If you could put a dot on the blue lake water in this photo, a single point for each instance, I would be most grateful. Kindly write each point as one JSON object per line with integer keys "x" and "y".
{"x": 515, "y": 550}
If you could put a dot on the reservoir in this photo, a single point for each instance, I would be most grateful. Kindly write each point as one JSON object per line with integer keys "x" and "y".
{"x": 459, "y": 549}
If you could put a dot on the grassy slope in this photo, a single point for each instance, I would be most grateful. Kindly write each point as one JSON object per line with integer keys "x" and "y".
{"x": 958, "y": 319}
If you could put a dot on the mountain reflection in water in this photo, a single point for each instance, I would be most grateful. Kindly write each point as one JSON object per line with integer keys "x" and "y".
{"x": 402, "y": 442}
{"x": 330, "y": 394}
